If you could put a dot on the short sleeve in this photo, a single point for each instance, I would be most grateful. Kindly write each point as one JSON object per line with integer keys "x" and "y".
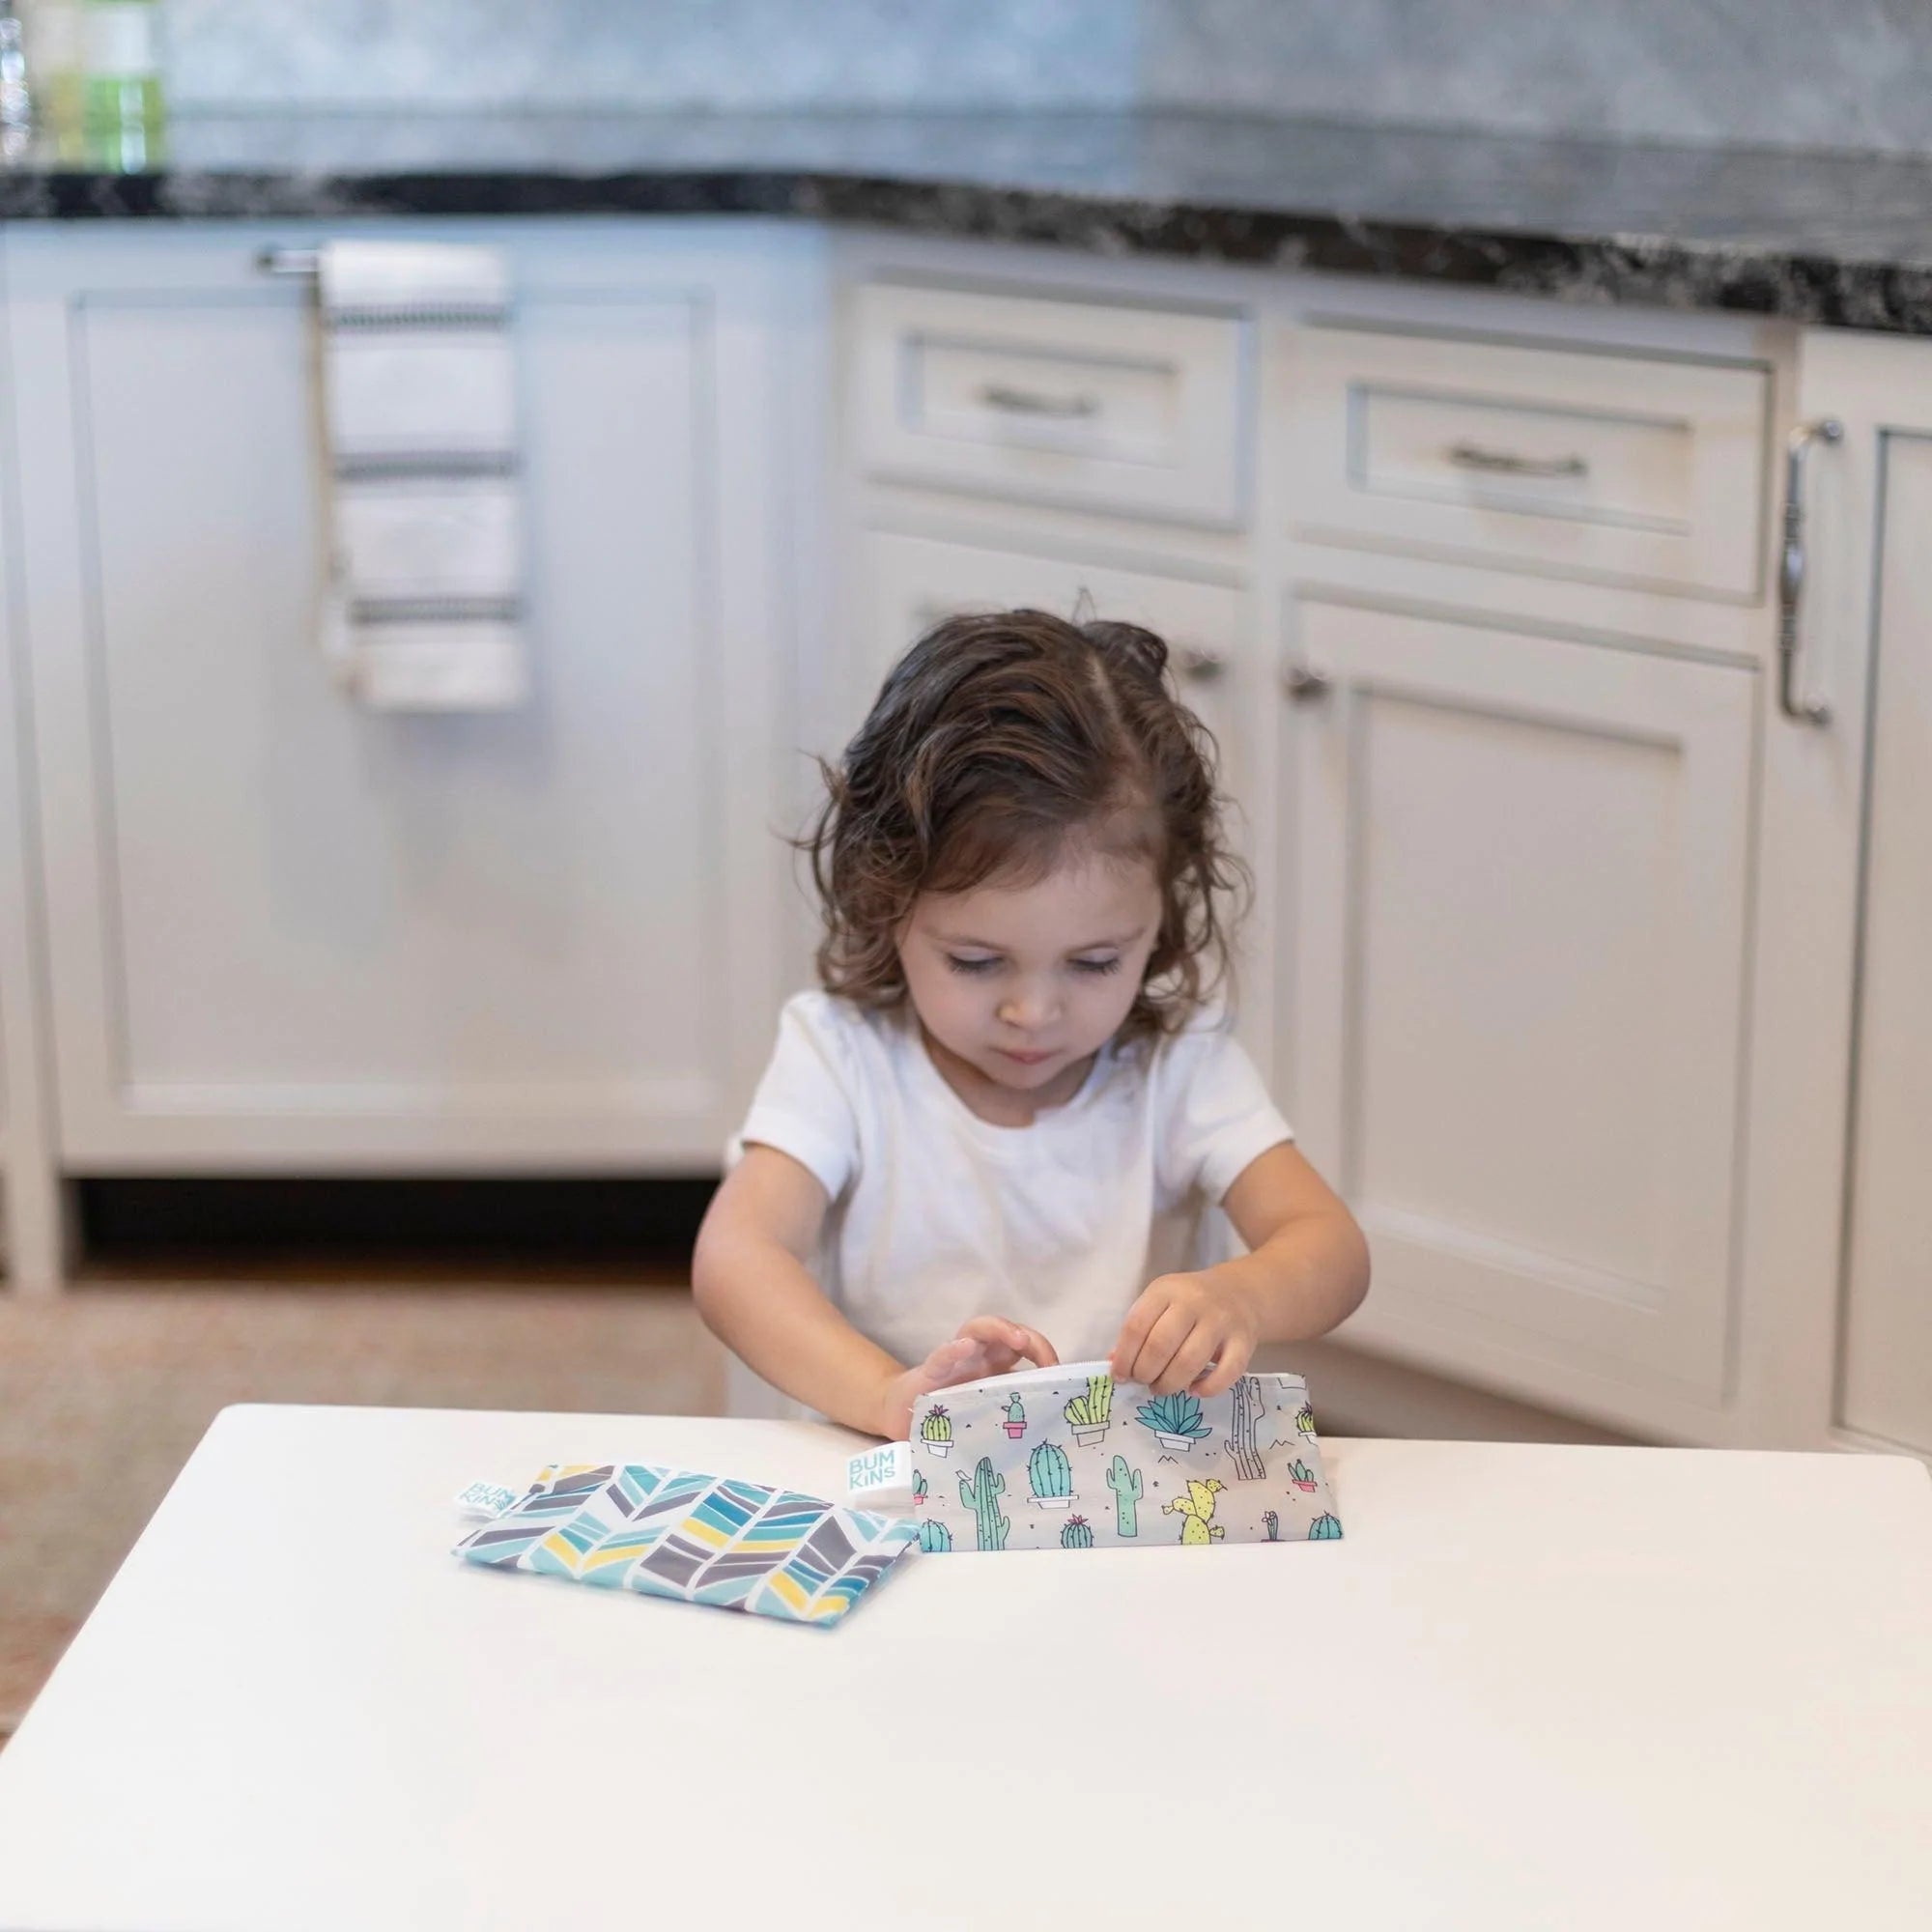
{"x": 805, "y": 1105}
{"x": 1216, "y": 1113}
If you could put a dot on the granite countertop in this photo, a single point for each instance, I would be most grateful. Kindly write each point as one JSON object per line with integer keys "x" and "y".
{"x": 1819, "y": 238}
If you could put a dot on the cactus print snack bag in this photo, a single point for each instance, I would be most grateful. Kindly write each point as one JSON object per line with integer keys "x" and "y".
{"x": 1066, "y": 1459}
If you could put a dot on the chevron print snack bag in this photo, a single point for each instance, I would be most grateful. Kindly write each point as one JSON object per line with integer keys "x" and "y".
{"x": 701, "y": 1539}
{"x": 1066, "y": 1458}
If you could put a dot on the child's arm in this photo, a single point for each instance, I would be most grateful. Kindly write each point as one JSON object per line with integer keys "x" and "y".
{"x": 753, "y": 1284}
{"x": 1308, "y": 1269}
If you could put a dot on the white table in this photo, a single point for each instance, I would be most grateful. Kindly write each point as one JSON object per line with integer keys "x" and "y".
{"x": 1566, "y": 1687}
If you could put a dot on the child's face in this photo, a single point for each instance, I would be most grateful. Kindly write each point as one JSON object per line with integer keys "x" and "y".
{"x": 1022, "y": 981}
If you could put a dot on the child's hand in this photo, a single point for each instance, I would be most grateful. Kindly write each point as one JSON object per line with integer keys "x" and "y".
{"x": 988, "y": 1345}
{"x": 1182, "y": 1328}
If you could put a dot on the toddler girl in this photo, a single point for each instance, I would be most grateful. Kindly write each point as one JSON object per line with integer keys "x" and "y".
{"x": 991, "y": 1135}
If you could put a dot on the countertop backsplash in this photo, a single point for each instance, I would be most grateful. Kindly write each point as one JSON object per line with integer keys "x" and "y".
{"x": 1779, "y": 74}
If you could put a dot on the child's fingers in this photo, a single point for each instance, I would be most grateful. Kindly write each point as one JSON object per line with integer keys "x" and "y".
{"x": 1135, "y": 1331}
{"x": 1010, "y": 1338}
{"x": 1236, "y": 1353}
{"x": 1158, "y": 1352}
{"x": 1036, "y": 1348}
{"x": 949, "y": 1363}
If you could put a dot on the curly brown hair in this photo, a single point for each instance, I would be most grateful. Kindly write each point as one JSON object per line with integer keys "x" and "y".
{"x": 994, "y": 741}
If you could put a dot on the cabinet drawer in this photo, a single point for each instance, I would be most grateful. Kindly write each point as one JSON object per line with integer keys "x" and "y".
{"x": 1136, "y": 409}
{"x": 1635, "y": 468}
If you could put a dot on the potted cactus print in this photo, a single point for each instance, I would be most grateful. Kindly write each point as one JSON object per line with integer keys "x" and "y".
{"x": 1301, "y": 1476}
{"x": 1304, "y": 1419}
{"x": 934, "y": 1538}
{"x": 1326, "y": 1528}
{"x": 1273, "y": 1523}
{"x": 919, "y": 1492}
{"x": 1175, "y": 1420}
{"x": 936, "y": 1431}
{"x": 1088, "y": 1415}
{"x": 1015, "y": 1422}
{"x": 1075, "y": 1534}
{"x": 1051, "y": 1477}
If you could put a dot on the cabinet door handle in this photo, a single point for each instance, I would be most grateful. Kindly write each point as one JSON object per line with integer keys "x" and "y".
{"x": 297, "y": 262}
{"x": 1507, "y": 463}
{"x": 1034, "y": 403}
{"x": 1200, "y": 666}
{"x": 1304, "y": 684}
{"x": 1791, "y": 570}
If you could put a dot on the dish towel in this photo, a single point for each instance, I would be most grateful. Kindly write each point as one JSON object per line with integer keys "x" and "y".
{"x": 698, "y": 1538}
{"x": 424, "y": 603}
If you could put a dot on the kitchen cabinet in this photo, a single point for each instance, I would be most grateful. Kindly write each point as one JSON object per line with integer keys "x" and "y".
{"x": 1518, "y": 868}
{"x": 1583, "y": 961}
{"x": 1509, "y": 761}
{"x": 1870, "y": 604}
{"x": 286, "y": 931}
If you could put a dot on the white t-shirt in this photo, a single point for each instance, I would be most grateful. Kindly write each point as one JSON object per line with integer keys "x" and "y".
{"x": 938, "y": 1215}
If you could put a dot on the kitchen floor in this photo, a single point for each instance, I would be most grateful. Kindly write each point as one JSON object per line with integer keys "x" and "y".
{"x": 104, "y": 1391}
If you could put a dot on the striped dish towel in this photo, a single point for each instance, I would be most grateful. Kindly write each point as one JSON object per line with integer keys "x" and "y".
{"x": 425, "y": 604}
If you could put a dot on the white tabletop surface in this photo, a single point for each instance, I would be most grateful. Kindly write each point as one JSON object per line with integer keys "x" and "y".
{"x": 1567, "y": 1687}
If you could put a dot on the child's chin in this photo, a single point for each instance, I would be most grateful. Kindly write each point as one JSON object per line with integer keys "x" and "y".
{"x": 1018, "y": 1073}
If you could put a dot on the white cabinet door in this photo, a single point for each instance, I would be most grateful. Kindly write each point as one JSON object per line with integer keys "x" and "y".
{"x": 1516, "y": 868}
{"x": 916, "y": 582}
{"x": 1886, "y": 1390}
{"x": 287, "y": 930}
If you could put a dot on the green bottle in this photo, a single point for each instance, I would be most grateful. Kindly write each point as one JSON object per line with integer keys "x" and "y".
{"x": 122, "y": 121}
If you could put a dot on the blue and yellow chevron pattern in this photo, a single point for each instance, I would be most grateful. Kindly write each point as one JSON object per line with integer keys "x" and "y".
{"x": 701, "y": 1539}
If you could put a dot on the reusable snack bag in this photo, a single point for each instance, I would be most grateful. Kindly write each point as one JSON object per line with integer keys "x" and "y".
{"x": 1066, "y": 1458}
{"x": 701, "y": 1539}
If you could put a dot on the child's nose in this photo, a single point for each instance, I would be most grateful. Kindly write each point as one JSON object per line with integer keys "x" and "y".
{"x": 1029, "y": 1009}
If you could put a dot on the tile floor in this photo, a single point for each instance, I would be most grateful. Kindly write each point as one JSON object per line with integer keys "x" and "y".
{"x": 104, "y": 1391}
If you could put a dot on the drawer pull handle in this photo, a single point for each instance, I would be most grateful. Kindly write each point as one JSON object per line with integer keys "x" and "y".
{"x": 1506, "y": 463}
{"x": 1791, "y": 570}
{"x": 1032, "y": 403}
{"x": 1200, "y": 666}
{"x": 1303, "y": 684}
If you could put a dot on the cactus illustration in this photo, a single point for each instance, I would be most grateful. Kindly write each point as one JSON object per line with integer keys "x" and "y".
{"x": 1301, "y": 1475}
{"x": 1326, "y": 1528}
{"x": 937, "y": 1430}
{"x": 1248, "y": 1404}
{"x": 1074, "y": 1534}
{"x": 918, "y": 1489}
{"x": 1051, "y": 1476}
{"x": 981, "y": 1496}
{"x": 1088, "y": 1415}
{"x": 1197, "y": 1510}
{"x": 1304, "y": 1419}
{"x": 1174, "y": 1418}
{"x": 1127, "y": 1485}
{"x": 1015, "y": 1423}
{"x": 1273, "y": 1523}
{"x": 934, "y": 1537}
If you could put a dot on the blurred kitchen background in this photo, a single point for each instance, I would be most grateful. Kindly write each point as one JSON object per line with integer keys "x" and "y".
{"x": 1503, "y": 409}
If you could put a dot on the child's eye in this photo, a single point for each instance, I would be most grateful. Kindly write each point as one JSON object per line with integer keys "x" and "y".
{"x": 1097, "y": 965}
{"x": 960, "y": 965}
